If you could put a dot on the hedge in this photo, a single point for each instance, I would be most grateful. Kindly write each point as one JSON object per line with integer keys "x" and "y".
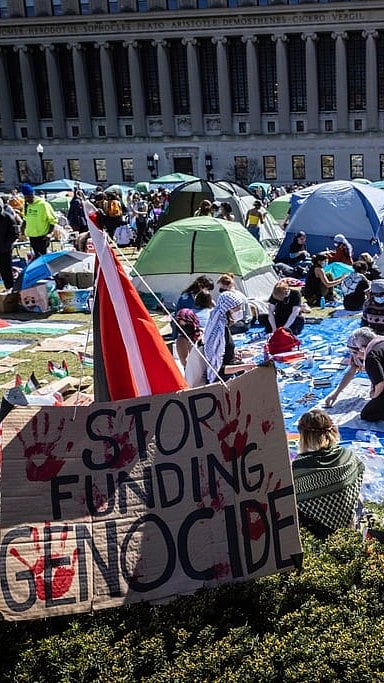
{"x": 322, "y": 625}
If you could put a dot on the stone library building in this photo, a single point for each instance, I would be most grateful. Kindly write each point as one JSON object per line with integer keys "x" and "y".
{"x": 119, "y": 91}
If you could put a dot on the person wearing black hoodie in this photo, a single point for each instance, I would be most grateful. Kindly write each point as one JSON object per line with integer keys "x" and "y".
{"x": 8, "y": 235}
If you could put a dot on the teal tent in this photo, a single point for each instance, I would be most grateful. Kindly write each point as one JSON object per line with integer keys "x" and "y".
{"x": 64, "y": 184}
{"x": 181, "y": 251}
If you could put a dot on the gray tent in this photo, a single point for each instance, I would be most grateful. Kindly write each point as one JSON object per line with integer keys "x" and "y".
{"x": 186, "y": 199}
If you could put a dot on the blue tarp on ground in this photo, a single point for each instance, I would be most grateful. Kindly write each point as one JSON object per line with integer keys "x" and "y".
{"x": 327, "y": 342}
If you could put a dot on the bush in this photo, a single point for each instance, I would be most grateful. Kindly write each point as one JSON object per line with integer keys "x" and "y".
{"x": 322, "y": 625}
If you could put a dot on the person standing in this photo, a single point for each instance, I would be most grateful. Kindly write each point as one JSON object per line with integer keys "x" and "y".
{"x": 8, "y": 235}
{"x": 40, "y": 220}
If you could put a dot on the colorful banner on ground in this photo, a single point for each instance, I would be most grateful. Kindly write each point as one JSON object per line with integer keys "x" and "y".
{"x": 144, "y": 499}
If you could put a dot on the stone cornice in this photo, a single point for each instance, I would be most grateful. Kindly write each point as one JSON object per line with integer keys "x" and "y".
{"x": 262, "y": 20}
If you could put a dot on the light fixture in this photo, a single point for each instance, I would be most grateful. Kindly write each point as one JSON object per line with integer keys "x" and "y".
{"x": 40, "y": 151}
{"x": 209, "y": 166}
{"x": 153, "y": 164}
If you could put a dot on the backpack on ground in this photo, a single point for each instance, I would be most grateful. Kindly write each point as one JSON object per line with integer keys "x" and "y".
{"x": 282, "y": 341}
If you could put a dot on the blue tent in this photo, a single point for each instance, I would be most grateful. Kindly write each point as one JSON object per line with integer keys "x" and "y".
{"x": 45, "y": 266}
{"x": 322, "y": 211}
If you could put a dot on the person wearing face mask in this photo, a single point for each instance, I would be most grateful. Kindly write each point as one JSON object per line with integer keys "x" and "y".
{"x": 219, "y": 349}
{"x": 226, "y": 283}
{"x": 318, "y": 283}
{"x": 367, "y": 350}
{"x": 284, "y": 309}
{"x": 373, "y": 308}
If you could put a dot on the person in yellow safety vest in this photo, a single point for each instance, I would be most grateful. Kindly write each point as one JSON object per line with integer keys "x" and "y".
{"x": 40, "y": 220}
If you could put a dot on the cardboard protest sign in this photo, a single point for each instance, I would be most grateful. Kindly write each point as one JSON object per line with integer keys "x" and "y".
{"x": 144, "y": 499}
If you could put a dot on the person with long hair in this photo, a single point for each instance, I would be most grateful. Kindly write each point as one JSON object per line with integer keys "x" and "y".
{"x": 299, "y": 256}
{"x": 189, "y": 333}
{"x": 318, "y": 283}
{"x": 327, "y": 476}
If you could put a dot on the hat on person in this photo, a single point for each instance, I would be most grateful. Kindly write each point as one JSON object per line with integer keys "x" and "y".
{"x": 377, "y": 287}
{"x": 301, "y": 233}
{"x": 26, "y": 189}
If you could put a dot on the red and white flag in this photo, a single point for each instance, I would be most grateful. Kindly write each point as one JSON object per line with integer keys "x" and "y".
{"x": 130, "y": 356}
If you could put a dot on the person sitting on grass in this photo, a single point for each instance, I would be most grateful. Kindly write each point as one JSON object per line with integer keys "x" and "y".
{"x": 327, "y": 476}
{"x": 318, "y": 283}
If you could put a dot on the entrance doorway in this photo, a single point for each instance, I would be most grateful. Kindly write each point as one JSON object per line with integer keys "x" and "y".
{"x": 183, "y": 165}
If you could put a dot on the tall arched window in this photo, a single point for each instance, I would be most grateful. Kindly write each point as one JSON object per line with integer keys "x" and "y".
{"x": 326, "y": 72}
{"x": 356, "y": 71}
{"x": 238, "y": 76}
{"x": 150, "y": 79}
{"x": 179, "y": 76}
{"x": 296, "y": 71}
{"x": 267, "y": 74}
{"x": 208, "y": 75}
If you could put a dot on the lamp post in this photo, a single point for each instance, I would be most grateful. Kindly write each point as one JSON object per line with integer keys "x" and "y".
{"x": 209, "y": 166}
{"x": 40, "y": 151}
{"x": 156, "y": 162}
{"x": 153, "y": 165}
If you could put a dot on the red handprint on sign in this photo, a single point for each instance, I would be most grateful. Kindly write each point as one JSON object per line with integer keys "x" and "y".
{"x": 122, "y": 436}
{"x": 231, "y": 428}
{"x": 41, "y": 462}
{"x": 62, "y": 577}
{"x": 256, "y": 526}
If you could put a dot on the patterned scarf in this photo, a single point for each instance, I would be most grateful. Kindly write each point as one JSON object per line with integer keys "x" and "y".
{"x": 214, "y": 339}
{"x": 189, "y": 322}
{"x": 327, "y": 484}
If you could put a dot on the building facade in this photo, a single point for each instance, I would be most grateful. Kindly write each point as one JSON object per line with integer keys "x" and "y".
{"x": 115, "y": 91}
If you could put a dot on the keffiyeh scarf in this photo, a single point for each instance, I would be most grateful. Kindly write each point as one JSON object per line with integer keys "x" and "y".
{"x": 327, "y": 485}
{"x": 214, "y": 338}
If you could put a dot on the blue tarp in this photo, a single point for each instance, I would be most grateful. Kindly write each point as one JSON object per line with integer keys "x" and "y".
{"x": 322, "y": 211}
{"x": 298, "y": 394}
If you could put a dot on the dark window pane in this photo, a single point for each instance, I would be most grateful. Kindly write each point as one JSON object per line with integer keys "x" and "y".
{"x": 123, "y": 83}
{"x": 67, "y": 81}
{"x": 208, "y": 73}
{"x": 95, "y": 83}
{"x": 238, "y": 76}
{"x": 326, "y": 72}
{"x": 267, "y": 74}
{"x": 380, "y": 68}
{"x": 296, "y": 72}
{"x": 41, "y": 81}
{"x": 179, "y": 77}
{"x": 356, "y": 71}
{"x": 327, "y": 166}
{"x": 150, "y": 78}
{"x": 298, "y": 167}
{"x": 15, "y": 83}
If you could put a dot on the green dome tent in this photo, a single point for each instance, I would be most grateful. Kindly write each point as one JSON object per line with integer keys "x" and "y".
{"x": 181, "y": 251}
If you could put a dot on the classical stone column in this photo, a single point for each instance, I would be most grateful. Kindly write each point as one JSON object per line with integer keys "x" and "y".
{"x": 371, "y": 79}
{"x": 29, "y": 92}
{"x": 341, "y": 81}
{"x": 7, "y": 129}
{"x": 253, "y": 83}
{"x": 312, "y": 86}
{"x": 55, "y": 91}
{"x": 109, "y": 90}
{"x": 194, "y": 87}
{"x": 137, "y": 91}
{"x": 282, "y": 83}
{"x": 82, "y": 94}
{"x": 224, "y": 85}
{"x": 165, "y": 84}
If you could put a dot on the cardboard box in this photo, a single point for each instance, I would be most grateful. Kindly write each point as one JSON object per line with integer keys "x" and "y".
{"x": 34, "y": 299}
{"x": 74, "y": 300}
{"x": 9, "y": 302}
{"x": 80, "y": 279}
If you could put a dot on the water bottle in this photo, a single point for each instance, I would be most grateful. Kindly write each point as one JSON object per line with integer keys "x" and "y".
{"x": 322, "y": 302}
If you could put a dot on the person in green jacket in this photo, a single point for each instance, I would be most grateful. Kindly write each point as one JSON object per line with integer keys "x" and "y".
{"x": 40, "y": 220}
